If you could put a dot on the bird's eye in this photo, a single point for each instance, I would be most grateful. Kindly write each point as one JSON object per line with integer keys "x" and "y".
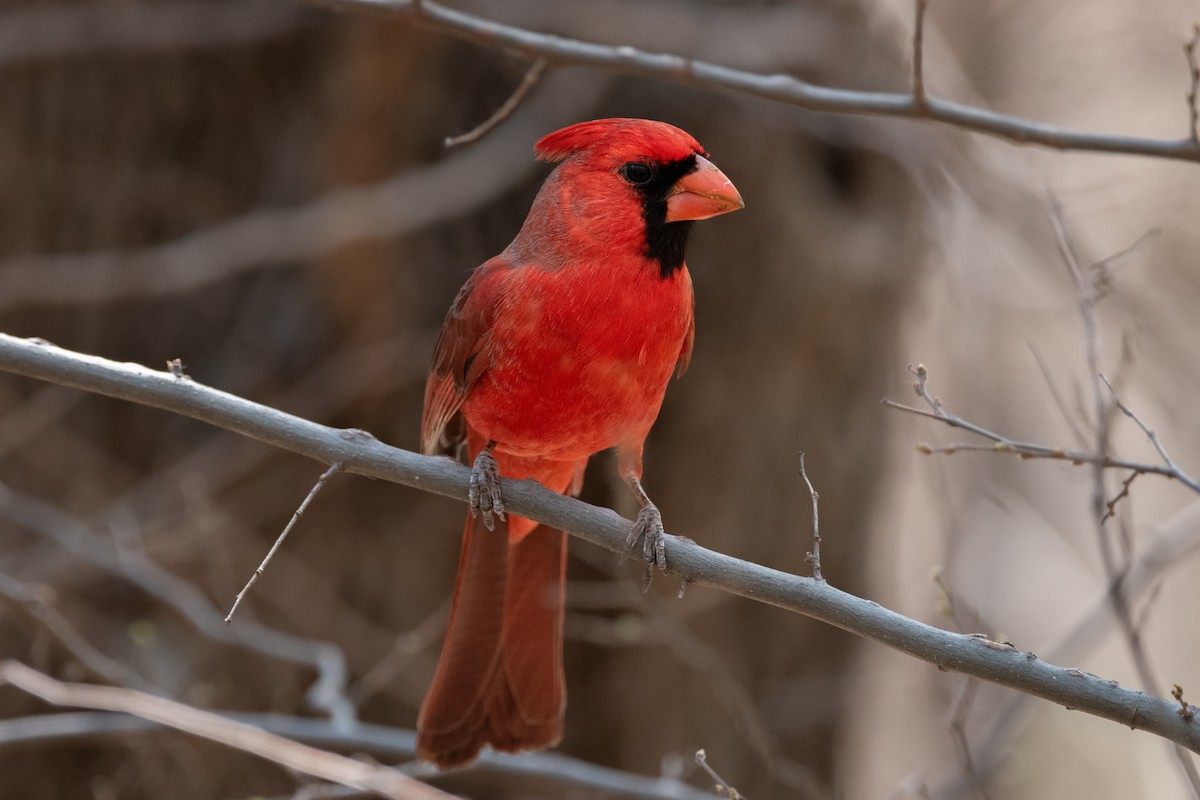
{"x": 637, "y": 173}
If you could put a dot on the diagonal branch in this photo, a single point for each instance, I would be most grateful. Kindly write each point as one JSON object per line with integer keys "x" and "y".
{"x": 293, "y": 755}
{"x": 376, "y": 740}
{"x": 1004, "y": 444}
{"x": 392, "y": 207}
{"x": 1189, "y": 49}
{"x": 362, "y": 454}
{"x": 327, "y": 692}
{"x": 916, "y": 104}
{"x": 506, "y": 109}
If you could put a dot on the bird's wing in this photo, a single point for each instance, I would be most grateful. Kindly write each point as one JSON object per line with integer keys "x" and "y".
{"x": 689, "y": 338}
{"x": 463, "y": 351}
{"x": 685, "y": 352}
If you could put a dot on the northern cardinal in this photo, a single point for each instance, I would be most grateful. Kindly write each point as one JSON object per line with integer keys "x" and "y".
{"x": 558, "y": 348}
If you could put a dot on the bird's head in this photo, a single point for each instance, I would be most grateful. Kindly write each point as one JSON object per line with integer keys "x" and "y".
{"x": 637, "y": 180}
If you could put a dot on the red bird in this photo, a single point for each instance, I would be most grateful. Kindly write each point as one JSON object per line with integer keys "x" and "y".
{"x": 558, "y": 348}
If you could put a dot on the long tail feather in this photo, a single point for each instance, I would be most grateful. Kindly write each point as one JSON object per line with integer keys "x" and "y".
{"x": 500, "y": 677}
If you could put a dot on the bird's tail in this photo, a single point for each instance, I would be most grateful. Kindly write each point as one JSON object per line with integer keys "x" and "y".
{"x": 500, "y": 679}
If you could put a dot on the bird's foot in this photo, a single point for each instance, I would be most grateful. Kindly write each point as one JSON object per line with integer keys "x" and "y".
{"x": 484, "y": 496}
{"x": 649, "y": 528}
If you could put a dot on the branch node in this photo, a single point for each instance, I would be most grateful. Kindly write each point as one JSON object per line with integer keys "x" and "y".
{"x": 813, "y": 557}
{"x": 177, "y": 370}
{"x": 1186, "y": 710}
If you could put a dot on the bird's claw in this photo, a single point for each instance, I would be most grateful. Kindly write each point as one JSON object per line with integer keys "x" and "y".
{"x": 484, "y": 496}
{"x": 649, "y": 528}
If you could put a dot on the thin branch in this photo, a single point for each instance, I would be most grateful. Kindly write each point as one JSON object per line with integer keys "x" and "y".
{"x": 1059, "y": 401}
{"x": 363, "y": 455}
{"x": 327, "y": 692}
{"x": 693, "y": 654}
{"x": 1176, "y": 472}
{"x": 276, "y": 236}
{"x": 723, "y": 788}
{"x": 707, "y": 660}
{"x": 561, "y": 50}
{"x": 1189, "y": 49}
{"x": 42, "y": 32}
{"x": 39, "y": 605}
{"x": 247, "y": 738}
{"x": 25, "y": 422}
{"x": 962, "y": 746}
{"x": 951, "y": 605}
{"x": 406, "y": 646}
{"x": 1105, "y": 263}
{"x": 1114, "y": 573}
{"x": 1169, "y": 549}
{"x": 378, "y": 740}
{"x": 335, "y": 467}
{"x": 1110, "y": 508}
{"x": 532, "y": 76}
{"x": 1003, "y": 444}
{"x": 1186, "y": 710}
{"x": 918, "y": 54}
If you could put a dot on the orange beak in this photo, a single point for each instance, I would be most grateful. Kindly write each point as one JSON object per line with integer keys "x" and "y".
{"x": 702, "y": 193}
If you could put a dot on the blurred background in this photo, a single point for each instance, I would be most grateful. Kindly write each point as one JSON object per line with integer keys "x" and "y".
{"x": 261, "y": 190}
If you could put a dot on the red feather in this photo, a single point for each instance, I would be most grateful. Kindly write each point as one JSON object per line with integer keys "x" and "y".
{"x": 558, "y": 348}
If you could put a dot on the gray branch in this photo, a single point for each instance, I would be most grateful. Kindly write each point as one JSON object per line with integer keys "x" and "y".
{"x": 248, "y": 738}
{"x": 916, "y": 104}
{"x": 381, "y": 741}
{"x": 362, "y": 454}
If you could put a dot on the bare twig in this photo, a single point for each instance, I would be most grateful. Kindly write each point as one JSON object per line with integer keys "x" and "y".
{"x": 378, "y": 740}
{"x": 958, "y": 729}
{"x": 293, "y": 755}
{"x": 693, "y": 654}
{"x": 1189, "y": 49}
{"x": 1086, "y": 300}
{"x": 1114, "y": 572}
{"x": 1172, "y": 547}
{"x": 411, "y": 199}
{"x": 559, "y": 50}
{"x": 723, "y": 788}
{"x": 971, "y": 774}
{"x": 407, "y": 645}
{"x": 1186, "y": 710}
{"x": 46, "y": 31}
{"x": 951, "y": 604}
{"x": 1174, "y": 469}
{"x": 361, "y": 454}
{"x": 1003, "y": 444}
{"x": 814, "y": 557}
{"x": 1104, "y": 267}
{"x": 39, "y": 605}
{"x": 918, "y": 54}
{"x": 334, "y": 467}
{"x": 40, "y": 410}
{"x": 1110, "y": 508}
{"x": 1059, "y": 401}
{"x": 532, "y": 76}
{"x": 328, "y": 690}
